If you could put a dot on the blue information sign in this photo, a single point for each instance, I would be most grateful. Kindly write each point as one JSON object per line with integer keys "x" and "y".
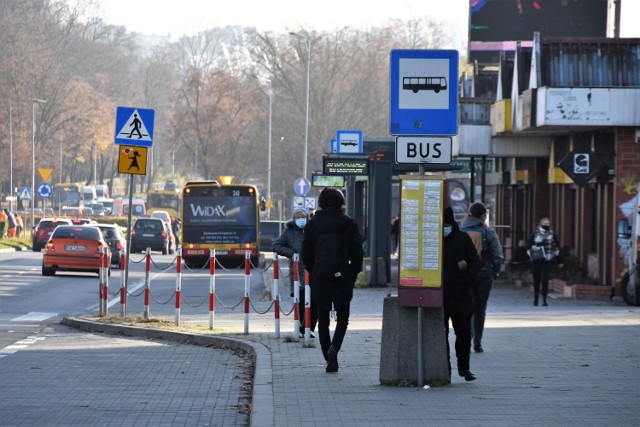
{"x": 424, "y": 92}
{"x": 134, "y": 126}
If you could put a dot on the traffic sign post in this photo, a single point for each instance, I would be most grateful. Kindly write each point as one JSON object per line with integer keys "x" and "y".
{"x": 349, "y": 141}
{"x": 45, "y": 190}
{"x": 134, "y": 126}
{"x": 423, "y": 149}
{"x": 134, "y": 129}
{"x": 301, "y": 186}
{"x": 424, "y": 92}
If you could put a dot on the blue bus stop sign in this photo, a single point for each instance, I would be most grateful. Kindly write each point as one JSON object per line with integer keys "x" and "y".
{"x": 424, "y": 92}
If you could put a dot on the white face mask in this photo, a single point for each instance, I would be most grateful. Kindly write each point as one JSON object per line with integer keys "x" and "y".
{"x": 301, "y": 222}
{"x": 447, "y": 230}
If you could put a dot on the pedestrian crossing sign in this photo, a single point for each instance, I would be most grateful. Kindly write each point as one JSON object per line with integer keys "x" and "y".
{"x": 134, "y": 126}
{"x": 132, "y": 160}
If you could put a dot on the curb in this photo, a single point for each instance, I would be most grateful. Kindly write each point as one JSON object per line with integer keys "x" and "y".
{"x": 262, "y": 412}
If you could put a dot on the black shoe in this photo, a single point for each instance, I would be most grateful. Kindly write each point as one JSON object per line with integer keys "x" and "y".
{"x": 544, "y": 303}
{"x": 478, "y": 348}
{"x": 332, "y": 360}
{"x": 535, "y": 302}
{"x": 468, "y": 375}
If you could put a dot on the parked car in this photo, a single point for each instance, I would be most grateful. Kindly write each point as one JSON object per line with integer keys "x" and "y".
{"x": 269, "y": 232}
{"x": 117, "y": 243}
{"x": 151, "y": 233}
{"x": 74, "y": 248}
{"x": 43, "y": 230}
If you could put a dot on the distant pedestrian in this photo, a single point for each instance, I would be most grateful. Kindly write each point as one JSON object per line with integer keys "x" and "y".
{"x": 19, "y": 226}
{"x": 288, "y": 244}
{"x": 546, "y": 242}
{"x": 395, "y": 234}
{"x": 332, "y": 252}
{"x": 461, "y": 264}
{"x": 11, "y": 230}
{"x": 489, "y": 249}
{"x": 3, "y": 218}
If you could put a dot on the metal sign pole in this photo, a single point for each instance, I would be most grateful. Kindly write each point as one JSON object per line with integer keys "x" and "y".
{"x": 126, "y": 272}
{"x": 420, "y": 373}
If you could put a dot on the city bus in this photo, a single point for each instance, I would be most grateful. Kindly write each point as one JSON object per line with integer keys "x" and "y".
{"x": 163, "y": 200}
{"x": 220, "y": 217}
{"x": 417, "y": 84}
{"x": 70, "y": 195}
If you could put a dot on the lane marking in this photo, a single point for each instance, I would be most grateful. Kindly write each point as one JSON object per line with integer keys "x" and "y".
{"x": 34, "y": 316}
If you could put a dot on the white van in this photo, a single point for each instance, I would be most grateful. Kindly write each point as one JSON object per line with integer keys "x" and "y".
{"x": 89, "y": 193}
{"x": 102, "y": 190}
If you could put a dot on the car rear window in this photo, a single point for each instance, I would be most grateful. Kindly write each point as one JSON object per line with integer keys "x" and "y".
{"x": 109, "y": 232}
{"x": 148, "y": 225}
{"x": 51, "y": 223}
{"x": 90, "y": 233}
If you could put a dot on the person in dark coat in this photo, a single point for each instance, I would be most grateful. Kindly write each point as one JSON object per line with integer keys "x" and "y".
{"x": 545, "y": 238}
{"x": 331, "y": 219}
{"x": 461, "y": 265}
{"x": 288, "y": 244}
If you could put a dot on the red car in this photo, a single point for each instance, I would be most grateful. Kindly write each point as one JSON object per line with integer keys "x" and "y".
{"x": 75, "y": 248}
{"x": 43, "y": 231}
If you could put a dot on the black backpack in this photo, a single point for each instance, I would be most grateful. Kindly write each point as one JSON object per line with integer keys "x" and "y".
{"x": 332, "y": 256}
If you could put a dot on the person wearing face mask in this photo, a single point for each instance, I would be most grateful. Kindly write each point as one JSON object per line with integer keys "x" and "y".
{"x": 287, "y": 244}
{"x": 460, "y": 266}
{"x": 543, "y": 237}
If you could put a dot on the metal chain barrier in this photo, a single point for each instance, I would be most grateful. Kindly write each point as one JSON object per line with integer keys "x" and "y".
{"x": 206, "y": 264}
{"x": 257, "y": 267}
{"x": 165, "y": 302}
{"x": 184, "y": 298}
{"x": 241, "y": 265}
{"x": 139, "y": 261}
{"x": 164, "y": 269}
{"x": 232, "y": 307}
{"x": 260, "y": 312}
{"x": 136, "y": 295}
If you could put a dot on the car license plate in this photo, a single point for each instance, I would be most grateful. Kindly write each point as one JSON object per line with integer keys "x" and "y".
{"x": 74, "y": 248}
{"x": 147, "y": 235}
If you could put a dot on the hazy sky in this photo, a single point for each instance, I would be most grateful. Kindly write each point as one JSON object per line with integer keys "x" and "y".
{"x": 179, "y": 17}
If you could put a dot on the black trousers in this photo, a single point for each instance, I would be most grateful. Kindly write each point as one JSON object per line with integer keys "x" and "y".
{"x": 481, "y": 292}
{"x": 541, "y": 270}
{"x": 342, "y": 321}
{"x": 462, "y": 328}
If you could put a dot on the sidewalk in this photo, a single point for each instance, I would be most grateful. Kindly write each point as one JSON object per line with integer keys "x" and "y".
{"x": 574, "y": 363}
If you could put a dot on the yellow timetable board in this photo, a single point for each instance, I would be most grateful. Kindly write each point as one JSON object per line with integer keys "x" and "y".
{"x": 421, "y": 216}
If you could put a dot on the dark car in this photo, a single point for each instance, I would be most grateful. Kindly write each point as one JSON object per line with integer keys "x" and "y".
{"x": 43, "y": 230}
{"x": 150, "y": 233}
{"x": 117, "y": 243}
{"x": 269, "y": 232}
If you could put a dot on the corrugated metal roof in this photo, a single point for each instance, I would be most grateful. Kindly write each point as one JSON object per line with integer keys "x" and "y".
{"x": 590, "y": 62}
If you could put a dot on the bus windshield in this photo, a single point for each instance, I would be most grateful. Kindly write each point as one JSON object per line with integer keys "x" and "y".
{"x": 224, "y": 218}
{"x": 69, "y": 195}
{"x": 164, "y": 200}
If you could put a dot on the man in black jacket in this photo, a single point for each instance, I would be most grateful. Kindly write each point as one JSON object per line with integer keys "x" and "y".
{"x": 461, "y": 264}
{"x": 331, "y": 219}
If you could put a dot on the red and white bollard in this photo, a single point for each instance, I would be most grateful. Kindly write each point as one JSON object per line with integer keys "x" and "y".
{"x": 147, "y": 283}
{"x": 123, "y": 285}
{"x": 178, "y": 284}
{"x": 296, "y": 297}
{"x": 307, "y": 308}
{"x": 276, "y": 294}
{"x": 247, "y": 283}
{"x": 212, "y": 286}
{"x": 101, "y": 280}
{"x": 105, "y": 287}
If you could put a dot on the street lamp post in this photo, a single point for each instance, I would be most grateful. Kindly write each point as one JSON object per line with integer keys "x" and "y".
{"x": 11, "y": 158}
{"x": 270, "y": 95}
{"x": 33, "y": 157}
{"x": 306, "y": 121}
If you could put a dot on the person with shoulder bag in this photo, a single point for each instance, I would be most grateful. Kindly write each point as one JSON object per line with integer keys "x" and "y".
{"x": 545, "y": 243}
{"x": 332, "y": 253}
